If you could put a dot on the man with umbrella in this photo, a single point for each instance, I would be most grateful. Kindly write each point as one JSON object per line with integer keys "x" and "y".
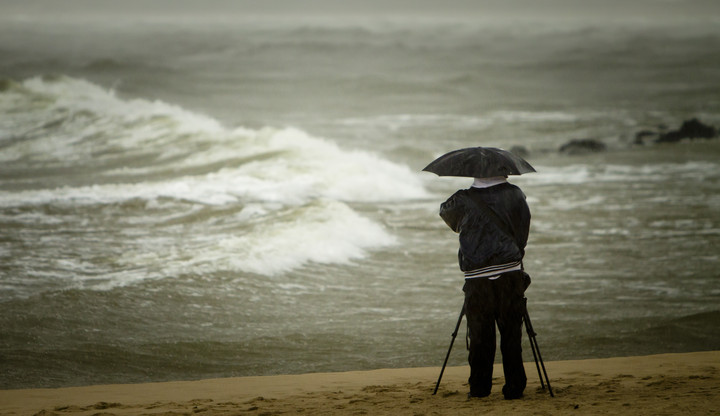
{"x": 493, "y": 221}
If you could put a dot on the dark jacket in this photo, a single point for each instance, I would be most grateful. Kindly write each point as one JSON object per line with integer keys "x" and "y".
{"x": 482, "y": 242}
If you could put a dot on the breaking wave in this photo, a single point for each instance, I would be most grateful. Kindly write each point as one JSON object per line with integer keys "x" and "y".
{"x": 284, "y": 197}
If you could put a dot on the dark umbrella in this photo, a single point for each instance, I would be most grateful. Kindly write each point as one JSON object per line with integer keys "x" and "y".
{"x": 479, "y": 162}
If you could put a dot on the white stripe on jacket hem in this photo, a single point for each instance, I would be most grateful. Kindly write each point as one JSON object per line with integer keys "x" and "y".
{"x": 493, "y": 272}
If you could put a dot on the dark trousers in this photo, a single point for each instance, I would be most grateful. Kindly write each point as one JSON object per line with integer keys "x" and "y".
{"x": 488, "y": 302}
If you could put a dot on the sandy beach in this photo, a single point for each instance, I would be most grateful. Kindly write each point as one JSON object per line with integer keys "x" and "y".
{"x": 666, "y": 384}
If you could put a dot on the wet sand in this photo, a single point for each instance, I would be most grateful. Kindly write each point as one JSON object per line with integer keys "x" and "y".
{"x": 666, "y": 384}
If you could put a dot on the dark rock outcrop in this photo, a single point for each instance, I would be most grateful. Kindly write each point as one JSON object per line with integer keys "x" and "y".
{"x": 690, "y": 129}
{"x": 582, "y": 146}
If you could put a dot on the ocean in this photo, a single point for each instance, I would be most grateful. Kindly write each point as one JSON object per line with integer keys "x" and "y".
{"x": 195, "y": 197}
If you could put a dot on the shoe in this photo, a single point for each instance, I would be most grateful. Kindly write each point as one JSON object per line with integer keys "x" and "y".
{"x": 511, "y": 393}
{"x": 472, "y": 395}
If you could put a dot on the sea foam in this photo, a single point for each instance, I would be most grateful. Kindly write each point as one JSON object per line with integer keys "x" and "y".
{"x": 293, "y": 189}
{"x": 91, "y": 124}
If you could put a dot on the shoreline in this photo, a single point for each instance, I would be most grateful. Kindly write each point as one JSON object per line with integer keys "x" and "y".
{"x": 643, "y": 385}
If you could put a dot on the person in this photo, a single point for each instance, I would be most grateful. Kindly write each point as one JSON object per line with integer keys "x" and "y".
{"x": 493, "y": 221}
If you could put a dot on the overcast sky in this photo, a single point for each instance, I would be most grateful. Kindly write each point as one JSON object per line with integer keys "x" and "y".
{"x": 641, "y": 9}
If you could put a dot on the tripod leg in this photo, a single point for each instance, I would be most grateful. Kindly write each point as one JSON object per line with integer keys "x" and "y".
{"x": 536, "y": 349}
{"x": 452, "y": 341}
{"x": 531, "y": 337}
{"x": 547, "y": 380}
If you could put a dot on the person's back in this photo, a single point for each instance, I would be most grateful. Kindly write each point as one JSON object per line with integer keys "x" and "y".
{"x": 493, "y": 221}
{"x": 483, "y": 242}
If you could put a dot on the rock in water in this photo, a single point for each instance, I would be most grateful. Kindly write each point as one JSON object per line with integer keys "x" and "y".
{"x": 690, "y": 129}
{"x": 581, "y": 146}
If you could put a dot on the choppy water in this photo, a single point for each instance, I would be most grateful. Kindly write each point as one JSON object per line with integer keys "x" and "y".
{"x": 190, "y": 199}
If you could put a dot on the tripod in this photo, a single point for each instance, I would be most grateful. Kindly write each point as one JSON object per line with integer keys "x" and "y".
{"x": 533, "y": 345}
{"x": 536, "y": 350}
{"x": 452, "y": 341}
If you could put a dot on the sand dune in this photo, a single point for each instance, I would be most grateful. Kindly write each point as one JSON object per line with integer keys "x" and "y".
{"x": 666, "y": 384}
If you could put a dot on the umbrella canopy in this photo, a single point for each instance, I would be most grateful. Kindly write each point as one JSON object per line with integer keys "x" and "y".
{"x": 479, "y": 162}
